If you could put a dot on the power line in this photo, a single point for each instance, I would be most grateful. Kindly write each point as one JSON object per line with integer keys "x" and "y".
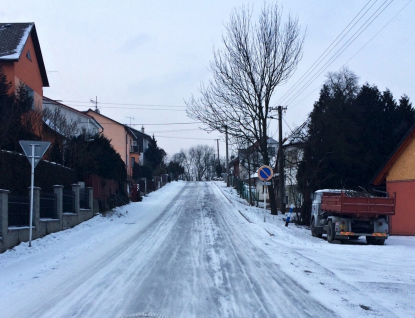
{"x": 328, "y": 50}
{"x": 126, "y": 104}
{"x": 350, "y": 40}
{"x": 170, "y": 137}
{"x": 163, "y": 124}
{"x": 299, "y": 102}
{"x": 362, "y": 28}
{"x": 379, "y": 31}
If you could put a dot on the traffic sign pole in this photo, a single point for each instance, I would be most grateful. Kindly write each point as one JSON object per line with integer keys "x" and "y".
{"x": 265, "y": 202}
{"x": 32, "y": 181}
{"x": 265, "y": 173}
{"x": 29, "y": 148}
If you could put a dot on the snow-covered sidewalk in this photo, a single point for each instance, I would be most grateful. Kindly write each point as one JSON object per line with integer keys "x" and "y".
{"x": 385, "y": 274}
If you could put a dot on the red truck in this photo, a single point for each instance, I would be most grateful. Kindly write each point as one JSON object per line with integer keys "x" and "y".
{"x": 344, "y": 215}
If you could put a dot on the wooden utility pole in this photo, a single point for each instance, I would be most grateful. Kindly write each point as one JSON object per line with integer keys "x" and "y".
{"x": 217, "y": 146}
{"x": 227, "y": 157}
{"x": 281, "y": 197}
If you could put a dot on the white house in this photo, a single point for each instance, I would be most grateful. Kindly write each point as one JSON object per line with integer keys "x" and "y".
{"x": 80, "y": 122}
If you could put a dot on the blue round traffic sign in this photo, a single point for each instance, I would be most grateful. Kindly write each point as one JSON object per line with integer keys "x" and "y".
{"x": 265, "y": 173}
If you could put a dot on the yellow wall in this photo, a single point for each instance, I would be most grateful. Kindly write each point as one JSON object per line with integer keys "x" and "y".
{"x": 404, "y": 167}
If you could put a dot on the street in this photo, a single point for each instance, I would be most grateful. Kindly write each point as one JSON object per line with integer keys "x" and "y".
{"x": 185, "y": 251}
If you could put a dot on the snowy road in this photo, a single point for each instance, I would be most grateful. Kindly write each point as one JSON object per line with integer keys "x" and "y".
{"x": 186, "y": 251}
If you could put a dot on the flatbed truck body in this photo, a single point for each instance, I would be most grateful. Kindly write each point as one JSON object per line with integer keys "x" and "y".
{"x": 344, "y": 215}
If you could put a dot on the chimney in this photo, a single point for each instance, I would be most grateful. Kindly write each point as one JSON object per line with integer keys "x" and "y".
{"x": 142, "y": 129}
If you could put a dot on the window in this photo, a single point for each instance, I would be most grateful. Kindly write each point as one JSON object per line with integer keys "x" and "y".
{"x": 28, "y": 55}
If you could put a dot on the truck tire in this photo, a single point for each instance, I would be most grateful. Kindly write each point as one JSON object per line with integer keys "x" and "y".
{"x": 331, "y": 232}
{"x": 314, "y": 233}
{"x": 374, "y": 241}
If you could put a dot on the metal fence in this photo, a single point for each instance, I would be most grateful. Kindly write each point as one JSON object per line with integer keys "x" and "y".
{"x": 48, "y": 206}
{"x": 68, "y": 201}
{"x": 19, "y": 210}
{"x": 243, "y": 190}
{"x": 84, "y": 199}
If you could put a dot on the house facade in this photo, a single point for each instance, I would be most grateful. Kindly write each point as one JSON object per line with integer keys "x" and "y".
{"x": 79, "y": 122}
{"x": 121, "y": 139}
{"x": 140, "y": 144}
{"x": 21, "y": 59}
{"x": 398, "y": 175}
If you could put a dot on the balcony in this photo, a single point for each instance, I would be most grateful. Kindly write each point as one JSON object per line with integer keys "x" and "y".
{"x": 134, "y": 149}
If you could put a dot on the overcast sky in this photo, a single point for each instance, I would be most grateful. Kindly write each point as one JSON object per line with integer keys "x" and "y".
{"x": 143, "y": 59}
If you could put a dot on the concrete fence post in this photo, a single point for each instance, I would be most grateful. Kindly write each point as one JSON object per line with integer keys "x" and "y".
{"x": 91, "y": 197}
{"x": 75, "y": 189}
{"x": 36, "y": 210}
{"x": 58, "y": 191}
{"x": 4, "y": 213}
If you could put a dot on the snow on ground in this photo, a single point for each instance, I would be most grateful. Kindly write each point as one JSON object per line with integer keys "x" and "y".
{"x": 353, "y": 280}
{"x": 386, "y": 274}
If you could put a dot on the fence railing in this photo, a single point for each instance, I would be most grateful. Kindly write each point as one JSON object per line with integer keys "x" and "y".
{"x": 19, "y": 210}
{"x": 243, "y": 190}
{"x": 48, "y": 205}
{"x": 84, "y": 202}
{"x": 68, "y": 201}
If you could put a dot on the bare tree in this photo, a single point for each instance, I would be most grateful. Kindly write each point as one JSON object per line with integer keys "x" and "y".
{"x": 183, "y": 158}
{"x": 254, "y": 60}
{"x": 197, "y": 161}
{"x": 202, "y": 161}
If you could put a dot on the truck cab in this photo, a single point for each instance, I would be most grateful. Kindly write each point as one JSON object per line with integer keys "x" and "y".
{"x": 317, "y": 220}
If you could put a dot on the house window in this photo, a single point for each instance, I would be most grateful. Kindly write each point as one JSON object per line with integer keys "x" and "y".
{"x": 28, "y": 55}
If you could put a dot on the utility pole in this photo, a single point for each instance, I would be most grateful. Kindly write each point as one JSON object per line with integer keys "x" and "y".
{"x": 281, "y": 161}
{"x": 227, "y": 156}
{"x": 217, "y": 146}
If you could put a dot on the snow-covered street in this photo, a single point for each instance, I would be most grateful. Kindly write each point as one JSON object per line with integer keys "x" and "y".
{"x": 194, "y": 249}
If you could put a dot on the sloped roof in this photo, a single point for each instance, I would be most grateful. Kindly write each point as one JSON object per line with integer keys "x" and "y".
{"x": 47, "y": 100}
{"x": 297, "y": 136}
{"x": 403, "y": 144}
{"x": 13, "y": 37}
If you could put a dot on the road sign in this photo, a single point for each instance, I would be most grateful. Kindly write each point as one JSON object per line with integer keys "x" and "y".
{"x": 265, "y": 173}
{"x": 34, "y": 151}
{"x": 266, "y": 183}
{"x": 40, "y": 148}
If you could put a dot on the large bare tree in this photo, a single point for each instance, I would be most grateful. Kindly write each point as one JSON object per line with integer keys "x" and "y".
{"x": 255, "y": 58}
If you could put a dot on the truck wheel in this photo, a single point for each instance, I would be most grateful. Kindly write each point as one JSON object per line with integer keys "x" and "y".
{"x": 331, "y": 232}
{"x": 313, "y": 230}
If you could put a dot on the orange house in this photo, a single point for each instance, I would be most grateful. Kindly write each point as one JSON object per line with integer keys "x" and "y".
{"x": 399, "y": 176}
{"x": 21, "y": 59}
{"x": 121, "y": 139}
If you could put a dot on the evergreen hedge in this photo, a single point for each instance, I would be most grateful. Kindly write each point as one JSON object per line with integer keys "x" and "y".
{"x": 15, "y": 172}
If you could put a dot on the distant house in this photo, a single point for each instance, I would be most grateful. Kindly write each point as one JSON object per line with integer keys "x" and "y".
{"x": 250, "y": 159}
{"x": 77, "y": 122}
{"x": 121, "y": 138}
{"x": 140, "y": 143}
{"x": 246, "y": 164}
{"x": 398, "y": 175}
{"x": 293, "y": 148}
{"x": 21, "y": 59}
